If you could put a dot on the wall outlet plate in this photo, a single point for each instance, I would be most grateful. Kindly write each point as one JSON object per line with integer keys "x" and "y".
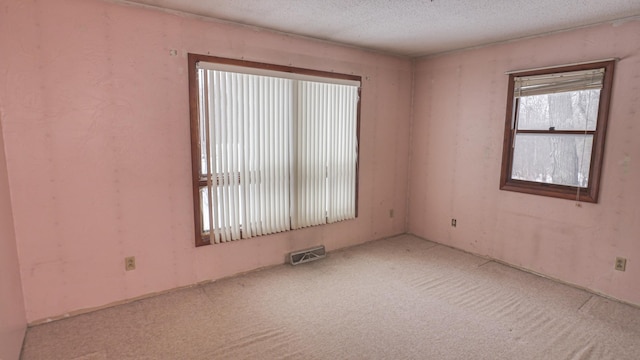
{"x": 621, "y": 264}
{"x": 130, "y": 263}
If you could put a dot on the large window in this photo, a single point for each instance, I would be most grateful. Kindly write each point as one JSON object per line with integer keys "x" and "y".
{"x": 555, "y": 130}
{"x": 273, "y": 148}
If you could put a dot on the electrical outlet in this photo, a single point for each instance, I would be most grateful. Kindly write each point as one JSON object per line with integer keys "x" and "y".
{"x": 621, "y": 263}
{"x": 391, "y": 213}
{"x": 130, "y": 263}
{"x": 454, "y": 222}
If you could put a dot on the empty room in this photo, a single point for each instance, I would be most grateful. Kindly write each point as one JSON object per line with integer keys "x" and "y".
{"x": 373, "y": 179}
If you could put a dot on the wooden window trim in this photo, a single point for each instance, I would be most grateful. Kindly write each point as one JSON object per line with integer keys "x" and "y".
{"x": 589, "y": 194}
{"x": 202, "y": 238}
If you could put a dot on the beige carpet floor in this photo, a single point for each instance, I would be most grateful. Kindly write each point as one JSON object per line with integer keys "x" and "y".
{"x": 398, "y": 298}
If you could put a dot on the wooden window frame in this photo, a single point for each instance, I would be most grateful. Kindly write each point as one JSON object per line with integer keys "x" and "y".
{"x": 588, "y": 194}
{"x": 202, "y": 238}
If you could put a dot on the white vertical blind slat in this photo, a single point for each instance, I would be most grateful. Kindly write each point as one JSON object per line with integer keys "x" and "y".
{"x": 302, "y": 157}
{"x": 286, "y": 156}
{"x": 320, "y": 169}
{"x": 228, "y": 148}
{"x": 271, "y": 154}
{"x": 338, "y": 164}
{"x": 294, "y": 167}
{"x": 279, "y": 161}
{"x": 320, "y": 157}
{"x": 216, "y": 147}
{"x": 333, "y": 143}
{"x": 322, "y": 154}
{"x": 244, "y": 158}
{"x": 253, "y": 139}
{"x": 214, "y": 208}
{"x": 310, "y": 120}
{"x": 222, "y": 146}
{"x": 262, "y": 121}
{"x": 342, "y": 157}
{"x": 257, "y": 193}
{"x": 234, "y": 169}
{"x": 268, "y": 169}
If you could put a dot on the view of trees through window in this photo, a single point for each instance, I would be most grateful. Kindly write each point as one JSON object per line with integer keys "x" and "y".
{"x": 554, "y": 137}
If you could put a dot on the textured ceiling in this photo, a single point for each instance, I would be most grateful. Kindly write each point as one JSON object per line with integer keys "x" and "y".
{"x": 410, "y": 27}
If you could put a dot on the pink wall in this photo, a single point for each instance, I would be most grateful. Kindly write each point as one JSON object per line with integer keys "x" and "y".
{"x": 457, "y": 131}
{"x": 97, "y": 142}
{"x": 12, "y": 316}
{"x": 96, "y": 131}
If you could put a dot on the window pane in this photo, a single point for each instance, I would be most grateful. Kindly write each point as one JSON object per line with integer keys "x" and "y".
{"x": 575, "y": 110}
{"x": 204, "y": 207}
{"x": 552, "y": 159}
{"x": 202, "y": 119}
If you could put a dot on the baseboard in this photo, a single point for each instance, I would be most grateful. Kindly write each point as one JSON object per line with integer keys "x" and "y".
{"x": 168, "y": 291}
{"x": 564, "y": 282}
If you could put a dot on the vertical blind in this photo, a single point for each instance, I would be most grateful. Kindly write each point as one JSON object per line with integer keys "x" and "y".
{"x": 278, "y": 151}
{"x": 326, "y": 145}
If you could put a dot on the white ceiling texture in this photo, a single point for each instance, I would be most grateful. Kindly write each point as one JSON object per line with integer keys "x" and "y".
{"x": 410, "y": 27}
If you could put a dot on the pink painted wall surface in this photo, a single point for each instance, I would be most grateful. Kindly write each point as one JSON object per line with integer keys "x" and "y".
{"x": 457, "y": 132}
{"x": 12, "y": 315}
{"x": 98, "y": 150}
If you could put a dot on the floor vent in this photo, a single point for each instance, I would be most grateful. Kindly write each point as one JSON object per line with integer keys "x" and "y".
{"x": 303, "y": 256}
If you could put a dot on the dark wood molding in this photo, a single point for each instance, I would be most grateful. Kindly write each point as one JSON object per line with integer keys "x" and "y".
{"x": 200, "y": 240}
{"x": 281, "y": 68}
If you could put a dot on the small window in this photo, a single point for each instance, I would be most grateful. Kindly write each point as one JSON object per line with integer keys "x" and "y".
{"x": 274, "y": 148}
{"x": 555, "y": 130}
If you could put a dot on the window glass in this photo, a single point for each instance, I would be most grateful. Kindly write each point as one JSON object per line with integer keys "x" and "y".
{"x": 552, "y": 159}
{"x": 576, "y": 110}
